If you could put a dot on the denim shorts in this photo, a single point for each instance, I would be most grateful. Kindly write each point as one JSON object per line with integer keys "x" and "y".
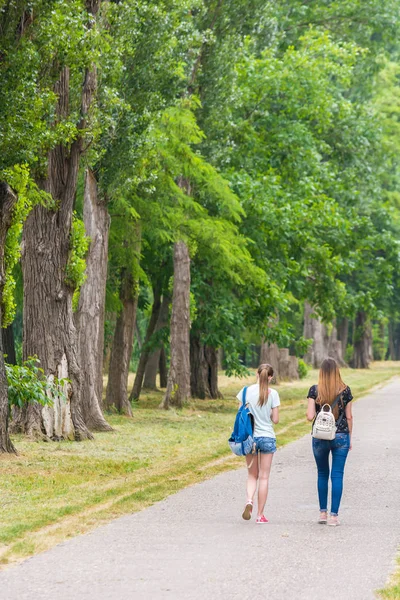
{"x": 266, "y": 445}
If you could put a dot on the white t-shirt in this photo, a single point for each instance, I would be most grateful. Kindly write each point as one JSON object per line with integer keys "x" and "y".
{"x": 263, "y": 426}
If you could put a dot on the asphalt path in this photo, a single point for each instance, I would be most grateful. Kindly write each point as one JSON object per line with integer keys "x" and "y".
{"x": 195, "y": 546}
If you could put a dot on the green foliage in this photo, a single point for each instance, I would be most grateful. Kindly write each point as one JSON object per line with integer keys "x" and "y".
{"x": 27, "y": 384}
{"x": 348, "y": 355}
{"x": 28, "y": 195}
{"x": 303, "y": 369}
{"x": 75, "y": 272}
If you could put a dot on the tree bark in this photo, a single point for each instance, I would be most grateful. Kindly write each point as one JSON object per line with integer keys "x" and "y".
{"x": 145, "y": 353}
{"x": 203, "y": 369}
{"x": 269, "y": 354}
{"x": 178, "y": 387}
{"x": 394, "y": 339}
{"x": 198, "y": 368}
{"x": 162, "y": 367}
{"x": 156, "y": 358}
{"x": 211, "y": 358}
{"x": 7, "y": 203}
{"x": 9, "y": 344}
{"x": 121, "y": 351}
{"x": 49, "y": 330}
{"x": 324, "y": 343}
{"x": 343, "y": 334}
{"x": 362, "y": 342}
{"x": 91, "y": 309}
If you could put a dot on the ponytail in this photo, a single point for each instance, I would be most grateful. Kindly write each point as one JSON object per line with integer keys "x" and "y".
{"x": 264, "y": 372}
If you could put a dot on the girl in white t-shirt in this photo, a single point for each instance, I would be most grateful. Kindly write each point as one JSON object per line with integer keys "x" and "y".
{"x": 263, "y": 403}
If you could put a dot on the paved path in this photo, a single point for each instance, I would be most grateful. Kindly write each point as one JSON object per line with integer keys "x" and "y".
{"x": 194, "y": 545}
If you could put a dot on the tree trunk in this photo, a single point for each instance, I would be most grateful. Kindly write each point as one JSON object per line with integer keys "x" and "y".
{"x": 90, "y": 315}
{"x": 343, "y": 334}
{"x": 392, "y": 349}
{"x": 198, "y": 368}
{"x": 324, "y": 343}
{"x": 145, "y": 353}
{"x": 9, "y": 345}
{"x": 152, "y": 368}
{"x": 269, "y": 354}
{"x": 121, "y": 351}
{"x": 162, "y": 367}
{"x": 7, "y": 203}
{"x": 178, "y": 387}
{"x": 211, "y": 358}
{"x": 49, "y": 330}
{"x": 203, "y": 369}
{"x": 362, "y": 342}
{"x": 157, "y": 359}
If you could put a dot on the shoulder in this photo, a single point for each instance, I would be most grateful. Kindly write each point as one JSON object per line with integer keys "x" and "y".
{"x": 313, "y": 392}
{"x": 347, "y": 395}
{"x": 239, "y": 395}
{"x": 275, "y": 400}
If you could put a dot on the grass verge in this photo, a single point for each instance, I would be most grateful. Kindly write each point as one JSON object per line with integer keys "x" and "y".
{"x": 392, "y": 590}
{"x": 52, "y": 491}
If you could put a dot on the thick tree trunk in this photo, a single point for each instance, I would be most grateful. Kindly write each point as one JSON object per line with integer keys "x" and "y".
{"x": 7, "y": 203}
{"x": 362, "y": 342}
{"x": 9, "y": 345}
{"x": 154, "y": 362}
{"x": 145, "y": 353}
{"x": 121, "y": 351}
{"x": 203, "y": 369}
{"x": 178, "y": 387}
{"x": 49, "y": 330}
{"x": 90, "y": 315}
{"x": 269, "y": 354}
{"x": 162, "y": 367}
{"x": 324, "y": 343}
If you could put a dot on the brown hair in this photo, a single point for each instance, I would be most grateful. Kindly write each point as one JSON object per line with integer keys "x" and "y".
{"x": 330, "y": 384}
{"x": 264, "y": 371}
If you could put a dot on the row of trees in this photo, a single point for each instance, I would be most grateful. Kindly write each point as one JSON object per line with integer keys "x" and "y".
{"x": 214, "y": 169}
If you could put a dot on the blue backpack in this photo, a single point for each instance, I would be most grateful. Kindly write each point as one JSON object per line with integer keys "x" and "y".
{"x": 241, "y": 440}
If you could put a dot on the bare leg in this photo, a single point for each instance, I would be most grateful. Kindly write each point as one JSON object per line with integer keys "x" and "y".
{"x": 252, "y": 476}
{"x": 263, "y": 475}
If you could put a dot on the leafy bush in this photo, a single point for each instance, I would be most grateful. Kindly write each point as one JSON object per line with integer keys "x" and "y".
{"x": 348, "y": 355}
{"x": 303, "y": 369}
{"x": 28, "y": 383}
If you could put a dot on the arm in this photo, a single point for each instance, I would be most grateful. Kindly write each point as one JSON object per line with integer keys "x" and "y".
{"x": 349, "y": 417}
{"x": 311, "y": 409}
{"x": 275, "y": 415}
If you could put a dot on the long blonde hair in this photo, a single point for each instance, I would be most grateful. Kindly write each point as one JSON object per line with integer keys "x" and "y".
{"x": 330, "y": 384}
{"x": 264, "y": 371}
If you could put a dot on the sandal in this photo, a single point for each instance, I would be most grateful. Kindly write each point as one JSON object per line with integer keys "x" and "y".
{"x": 248, "y": 509}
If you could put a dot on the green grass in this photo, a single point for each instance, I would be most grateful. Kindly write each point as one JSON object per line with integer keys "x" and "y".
{"x": 51, "y": 491}
{"x": 392, "y": 590}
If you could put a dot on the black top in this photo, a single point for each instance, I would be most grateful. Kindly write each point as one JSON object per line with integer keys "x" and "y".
{"x": 347, "y": 397}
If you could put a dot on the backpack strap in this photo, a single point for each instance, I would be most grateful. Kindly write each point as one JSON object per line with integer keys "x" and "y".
{"x": 339, "y": 397}
{"x": 244, "y": 395}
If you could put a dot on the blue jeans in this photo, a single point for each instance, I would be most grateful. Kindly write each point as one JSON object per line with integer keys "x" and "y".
{"x": 322, "y": 448}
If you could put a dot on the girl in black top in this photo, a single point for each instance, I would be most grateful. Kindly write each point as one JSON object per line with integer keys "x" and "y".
{"x": 330, "y": 385}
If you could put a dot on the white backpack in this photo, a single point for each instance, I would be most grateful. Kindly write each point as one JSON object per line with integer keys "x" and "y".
{"x": 324, "y": 427}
